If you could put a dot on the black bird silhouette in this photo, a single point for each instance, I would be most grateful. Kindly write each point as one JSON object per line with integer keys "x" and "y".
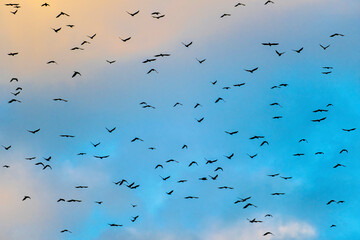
{"x": 248, "y": 205}
{"x": 34, "y": 131}
{"x": 270, "y": 44}
{"x": 188, "y": 44}
{"x": 162, "y": 55}
{"x": 47, "y": 159}
{"x": 165, "y": 178}
{"x": 298, "y": 154}
{"x": 92, "y": 37}
{"x": 319, "y": 120}
{"x": 13, "y": 54}
{"x": 264, "y": 142}
{"x": 338, "y": 165}
{"x": 279, "y": 53}
{"x": 169, "y": 193}
{"x": 218, "y": 168}
{"x": 225, "y": 15}
{"x": 344, "y": 150}
{"x": 26, "y": 197}
{"x": 52, "y": 61}
{"x": 56, "y": 30}
{"x": 133, "y": 14}
{"x": 349, "y": 130}
{"x": 199, "y": 120}
{"x": 219, "y": 99}
{"x": 254, "y": 221}
{"x": 6, "y": 148}
{"x": 14, "y": 79}
{"x": 115, "y": 225}
{"x": 14, "y": 100}
{"x": 274, "y": 175}
{"x": 102, "y": 157}
{"x": 320, "y": 110}
{"x": 252, "y": 156}
{"x": 149, "y": 60}
{"x": 256, "y": 137}
{"x": 134, "y": 218}
{"x": 45, "y": 5}
{"x": 62, "y": 14}
{"x": 60, "y": 100}
{"x": 95, "y": 144}
{"x": 47, "y": 166}
{"x": 191, "y": 197}
{"x": 126, "y": 39}
{"x": 111, "y": 62}
{"x": 231, "y": 133}
{"x": 75, "y": 73}
{"x": 251, "y": 70}
{"x": 110, "y": 130}
{"x": 67, "y": 136}
{"x": 201, "y": 61}
{"x": 324, "y": 47}
{"x": 159, "y": 165}
{"x": 239, "y": 84}
{"x": 268, "y": 233}
{"x": 136, "y": 139}
{"x": 152, "y": 70}
{"x": 230, "y": 156}
{"x": 65, "y": 230}
{"x": 336, "y": 35}
{"x": 299, "y": 50}
{"x": 214, "y": 177}
{"x": 192, "y": 163}
{"x": 239, "y": 4}
{"x": 268, "y": 1}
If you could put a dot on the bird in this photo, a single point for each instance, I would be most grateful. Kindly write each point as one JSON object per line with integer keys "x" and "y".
{"x": 169, "y": 193}
{"x": 268, "y": 233}
{"x": 56, "y": 30}
{"x": 65, "y": 230}
{"x": 254, "y": 221}
{"x": 324, "y": 47}
{"x": 230, "y": 156}
{"x": 14, "y": 79}
{"x": 34, "y": 131}
{"x": 85, "y": 42}
{"x": 338, "y": 165}
{"x": 47, "y": 166}
{"x": 252, "y": 156}
{"x": 219, "y": 99}
{"x": 13, "y": 54}
{"x": 45, "y": 5}
{"x": 101, "y": 157}
{"x": 249, "y": 205}
{"x": 125, "y": 39}
{"x": 152, "y": 70}
{"x": 239, "y": 84}
{"x": 286, "y": 178}
{"x": 26, "y": 197}
{"x": 251, "y": 70}
{"x": 136, "y": 139}
{"x": 159, "y": 165}
{"x": 199, "y": 120}
{"x": 62, "y": 14}
{"x": 111, "y": 62}
{"x": 60, "y": 100}
{"x": 268, "y": 1}
{"x": 270, "y": 44}
{"x": 6, "y": 148}
{"x": 215, "y": 177}
{"x": 165, "y": 178}
{"x": 48, "y": 158}
{"x": 298, "y": 154}
{"x": 277, "y": 194}
{"x": 225, "y": 15}
{"x": 75, "y": 73}
{"x": 319, "y": 120}
{"x": 274, "y": 175}
{"x": 67, "y": 136}
{"x": 187, "y": 44}
{"x": 158, "y": 17}
{"x": 302, "y": 140}
{"x": 115, "y": 225}
{"x": 263, "y": 143}
{"x": 110, "y": 130}
{"x": 162, "y": 55}
{"x": 92, "y": 36}
{"x": 51, "y": 62}
{"x": 337, "y": 34}
{"x": 279, "y": 53}
{"x": 210, "y": 161}
{"x": 218, "y": 168}
{"x": 133, "y": 14}
{"x": 256, "y": 137}
{"x": 344, "y": 150}
{"x": 201, "y": 61}
{"x": 349, "y": 130}
{"x": 192, "y": 163}
{"x": 191, "y": 197}
{"x": 149, "y": 60}
{"x": 239, "y": 4}
{"x": 213, "y": 83}
{"x": 299, "y": 50}
{"x": 134, "y": 218}
{"x": 95, "y": 144}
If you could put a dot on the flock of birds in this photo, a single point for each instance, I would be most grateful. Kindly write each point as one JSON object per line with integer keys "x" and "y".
{"x": 160, "y": 167}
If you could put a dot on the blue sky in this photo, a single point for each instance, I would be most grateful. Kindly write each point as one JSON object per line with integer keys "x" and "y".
{"x": 109, "y": 95}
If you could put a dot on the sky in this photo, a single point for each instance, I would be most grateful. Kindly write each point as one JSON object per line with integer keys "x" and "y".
{"x": 109, "y": 95}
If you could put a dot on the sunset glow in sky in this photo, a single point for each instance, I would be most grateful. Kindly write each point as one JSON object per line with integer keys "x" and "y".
{"x": 110, "y": 95}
